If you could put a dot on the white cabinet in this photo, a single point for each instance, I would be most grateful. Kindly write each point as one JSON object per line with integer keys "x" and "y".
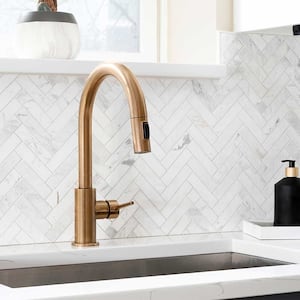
{"x": 189, "y": 30}
{"x": 273, "y": 16}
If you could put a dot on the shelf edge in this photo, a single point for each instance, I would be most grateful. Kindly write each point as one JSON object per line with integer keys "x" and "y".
{"x": 84, "y": 67}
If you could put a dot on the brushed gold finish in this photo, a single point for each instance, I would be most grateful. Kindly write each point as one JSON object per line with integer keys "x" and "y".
{"x": 87, "y": 209}
{"x": 125, "y": 204}
{"x": 138, "y": 115}
{"x": 291, "y": 172}
{"x": 85, "y": 219}
{"x": 109, "y": 209}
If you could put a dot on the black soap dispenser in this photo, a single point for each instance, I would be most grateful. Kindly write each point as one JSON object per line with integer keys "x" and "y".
{"x": 287, "y": 198}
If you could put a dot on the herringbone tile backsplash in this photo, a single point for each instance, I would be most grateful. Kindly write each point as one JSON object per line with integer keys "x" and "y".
{"x": 216, "y": 147}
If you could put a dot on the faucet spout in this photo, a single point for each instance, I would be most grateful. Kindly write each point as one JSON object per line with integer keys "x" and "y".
{"x": 86, "y": 208}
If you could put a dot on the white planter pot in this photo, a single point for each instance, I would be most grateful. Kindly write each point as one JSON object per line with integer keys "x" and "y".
{"x": 47, "y": 35}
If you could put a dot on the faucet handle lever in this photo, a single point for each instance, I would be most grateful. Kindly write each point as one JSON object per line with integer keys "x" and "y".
{"x": 126, "y": 204}
{"x": 109, "y": 209}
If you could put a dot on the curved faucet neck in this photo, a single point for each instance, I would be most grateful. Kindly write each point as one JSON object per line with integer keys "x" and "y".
{"x": 138, "y": 115}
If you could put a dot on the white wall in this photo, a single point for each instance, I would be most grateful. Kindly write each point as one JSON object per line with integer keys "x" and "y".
{"x": 225, "y": 15}
{"x": 192, "y": 31}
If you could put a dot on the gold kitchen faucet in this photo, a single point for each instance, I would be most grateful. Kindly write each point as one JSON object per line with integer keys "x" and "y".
{"x": 87, "y": 209}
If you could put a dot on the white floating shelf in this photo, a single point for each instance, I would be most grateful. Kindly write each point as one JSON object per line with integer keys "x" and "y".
{"x": 84, "y": 67}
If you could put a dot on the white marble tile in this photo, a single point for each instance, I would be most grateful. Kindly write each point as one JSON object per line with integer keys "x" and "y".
{"x": 216, "y": 146}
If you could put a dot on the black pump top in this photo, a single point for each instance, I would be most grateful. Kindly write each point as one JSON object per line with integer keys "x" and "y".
{"x": 291, "y": 163}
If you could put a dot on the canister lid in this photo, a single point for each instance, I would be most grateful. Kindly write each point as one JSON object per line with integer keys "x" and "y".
{"x": 47, "y": 16}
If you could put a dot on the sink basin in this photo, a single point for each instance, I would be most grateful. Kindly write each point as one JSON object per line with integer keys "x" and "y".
{"x": 36, "y": 276}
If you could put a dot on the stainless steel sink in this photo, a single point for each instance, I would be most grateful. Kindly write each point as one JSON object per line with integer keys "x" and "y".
{"x": 130, "y": 268}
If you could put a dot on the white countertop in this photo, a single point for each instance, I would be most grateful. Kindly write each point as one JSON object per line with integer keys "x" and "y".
{"x": 226, "y": 284}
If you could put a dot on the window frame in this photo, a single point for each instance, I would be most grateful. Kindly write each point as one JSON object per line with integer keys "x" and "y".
{"x": 149, "y": 20}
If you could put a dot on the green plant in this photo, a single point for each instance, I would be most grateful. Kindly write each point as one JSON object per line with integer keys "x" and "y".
{"x": 47, "y": 5}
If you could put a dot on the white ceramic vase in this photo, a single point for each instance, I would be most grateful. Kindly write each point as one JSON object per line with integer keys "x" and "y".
{"x": 49, "y": 35}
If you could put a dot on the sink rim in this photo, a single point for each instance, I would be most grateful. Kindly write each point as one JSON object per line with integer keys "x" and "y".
{"x": 133, "y": 268}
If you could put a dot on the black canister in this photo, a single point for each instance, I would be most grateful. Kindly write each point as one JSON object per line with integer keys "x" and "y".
{"x": 287, "y": 198}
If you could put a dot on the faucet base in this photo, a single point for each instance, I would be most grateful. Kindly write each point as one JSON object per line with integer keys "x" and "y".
{"x": 85, "y": 218}
{"x": 80, "y": 245}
